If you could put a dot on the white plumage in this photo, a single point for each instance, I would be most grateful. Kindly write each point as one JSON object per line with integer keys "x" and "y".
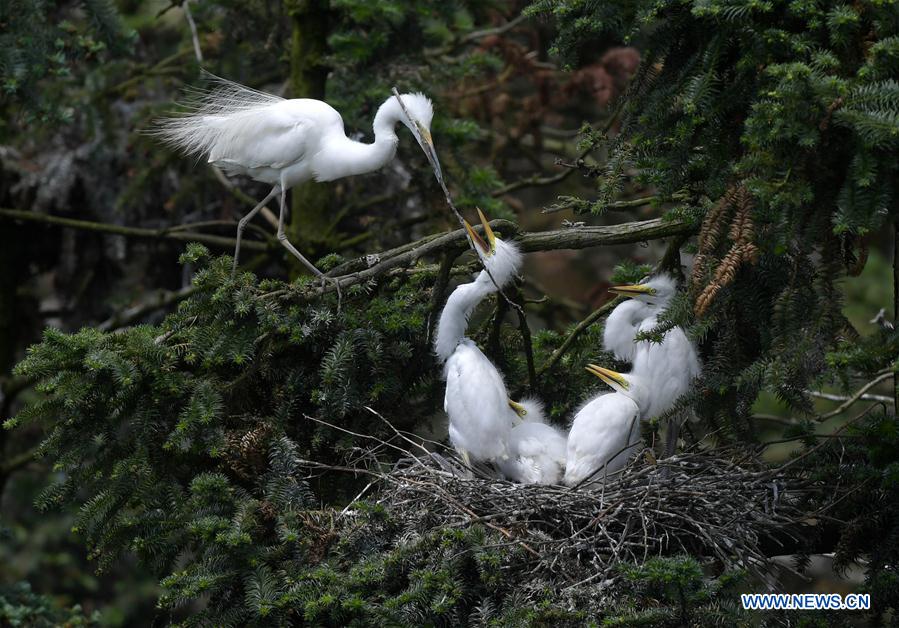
{"x": 605, "y": 432}
{"x": 476, "y": 399}
{"x": 536, "y": 450}
{"x": 669, "y": 366}
{"x": 288, "y": 142}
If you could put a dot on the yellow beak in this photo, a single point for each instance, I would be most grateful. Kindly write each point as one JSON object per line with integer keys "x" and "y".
{"x": 520, "y": 410}
{"x": 491, "y": 237}
{"x": 609, "y": 376}
{"x": 487, "y": 249}
{"x": 632, "y": 290}
{"x": 425, "y": 133}
{"x": 478, "y": 240}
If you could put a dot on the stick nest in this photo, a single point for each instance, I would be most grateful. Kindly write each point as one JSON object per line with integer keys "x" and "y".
{"x": 721, "y": 504}
{"x": 703, "y": 504}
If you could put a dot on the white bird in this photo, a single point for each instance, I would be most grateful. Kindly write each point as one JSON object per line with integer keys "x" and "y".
{"x": 476, "y": 399}
{"x": 669, "y": 366}
{"x": 537, "y": 450}
{"x": 605, "y": 432}
{"x": 287, "y": 142}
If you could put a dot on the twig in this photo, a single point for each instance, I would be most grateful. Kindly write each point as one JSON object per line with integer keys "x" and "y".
{"x": 499, "y": 30}
{"x": 162, "y": 300}
{"x": 198, "y": 52}
{"x": 577, "y": 331}
{"x": 528, "y": 347}
{"x": 625, "y": 204}
{"x": 558, "y": 178}
{"x": 17, "y": 461}
{"x": 833, "y": 397}
{"x": 133, "y": 232}
{"x": 854, "y": 397}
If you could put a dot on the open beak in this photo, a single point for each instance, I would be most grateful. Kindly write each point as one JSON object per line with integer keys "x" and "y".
{"x": 610, "y": 377}
{"x": 488, "y": 231}
{"x": 520, "y": 410}
{"x": 487, "y": 247}
{"x": 632, "y": 290}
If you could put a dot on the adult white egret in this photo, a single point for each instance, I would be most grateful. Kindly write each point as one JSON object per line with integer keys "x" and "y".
{"x": 605, "y": 432}
{"x": 537, "y": 450}
{"x": 476, "y": 399}
{"x": 669, "y": 366}
{"x": 287, "y": 142}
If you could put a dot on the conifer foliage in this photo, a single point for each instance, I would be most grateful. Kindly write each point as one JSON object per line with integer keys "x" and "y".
{"x": 775, "y": 124}
{"x": 768, "y": 127}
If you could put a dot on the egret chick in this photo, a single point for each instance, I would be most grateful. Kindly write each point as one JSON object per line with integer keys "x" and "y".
{"x": 670, "y": 365}
{"x": 645, "y": 301}
{"x": 605, "y": 432}
{"x": 536, "y": 449}
{"x": 287, "y": 142}
{"x": 476, "y": 399}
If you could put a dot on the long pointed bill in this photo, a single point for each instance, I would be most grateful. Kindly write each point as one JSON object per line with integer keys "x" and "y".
{"x": 427, "y": 145}
{"x": 520, "y": 410}
{"x": 632, "y": 290}
{"x": 491, "y": 237}
{"x": 610, "y": 377}
{"x": 423, "y": 136}
{"x": 478, "y": 240}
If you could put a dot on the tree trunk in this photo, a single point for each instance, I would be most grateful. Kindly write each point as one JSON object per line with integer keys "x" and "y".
{"x": 309, "y": 227}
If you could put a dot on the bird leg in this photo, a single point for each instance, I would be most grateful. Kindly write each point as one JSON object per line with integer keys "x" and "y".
{"x": 282, "y": 238}
{"x": 671, "y": 436}
{"x": 243, "y": 224}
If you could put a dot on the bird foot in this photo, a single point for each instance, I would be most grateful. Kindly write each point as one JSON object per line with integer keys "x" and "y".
{"x": 334, "y": 281}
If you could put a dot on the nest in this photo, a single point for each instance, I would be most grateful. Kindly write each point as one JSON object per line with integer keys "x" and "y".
{"x": 719, "y": 504}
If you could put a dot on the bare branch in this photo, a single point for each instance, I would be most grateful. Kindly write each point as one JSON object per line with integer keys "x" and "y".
{"x": 132, "y": 232}
{"x": 855, "y": 396}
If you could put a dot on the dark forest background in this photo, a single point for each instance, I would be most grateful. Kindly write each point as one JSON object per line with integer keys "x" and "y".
{"x": 759, "y": 137}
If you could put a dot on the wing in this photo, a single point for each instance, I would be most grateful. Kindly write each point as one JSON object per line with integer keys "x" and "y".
{"x": 477, "y": 403}
{"x": 602, "y": 433}
{"x": 274, "y": 136}
{"x": 670, "y": 366}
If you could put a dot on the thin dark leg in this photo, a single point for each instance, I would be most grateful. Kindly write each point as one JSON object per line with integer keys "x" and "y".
{"x": 243, "y": 225}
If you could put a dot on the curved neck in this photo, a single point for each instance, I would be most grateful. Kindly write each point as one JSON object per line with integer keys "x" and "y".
{"x": 454, "y": 318}
{"x": 344, "y": 157}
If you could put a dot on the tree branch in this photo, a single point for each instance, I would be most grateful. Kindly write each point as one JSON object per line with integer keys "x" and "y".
{"x": 133, "y": 232}
{"x": 594, "y": 316}
{"x": 855, "y": 396}
{"x": 16, "y": 462}
{"x": 586, "y": 237}
{"x": 375, "y": 265}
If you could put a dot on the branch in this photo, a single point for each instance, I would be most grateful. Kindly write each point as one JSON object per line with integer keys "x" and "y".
{"x": 627, "y": 204}
{"x": 594, "y": 316}
{"x": 162, "y": 300}
{"x": 525, "y": 332}
{"x": 17, "y": 462}
{"x": 369, "y": 267}
{"x": 133, "y": 232}
{"x": 586, "y": 237}
{"x": 855, "y": 397}
{"x": 831, "y": 397}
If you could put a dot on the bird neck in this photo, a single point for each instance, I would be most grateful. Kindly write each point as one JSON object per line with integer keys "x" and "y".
{"x": 638, "y": 391}
{"x": 344, "y": 157}
{"x": 454, "y": 318}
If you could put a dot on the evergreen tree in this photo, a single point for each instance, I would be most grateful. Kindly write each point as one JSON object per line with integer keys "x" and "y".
{"x": 226, "y": 445}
